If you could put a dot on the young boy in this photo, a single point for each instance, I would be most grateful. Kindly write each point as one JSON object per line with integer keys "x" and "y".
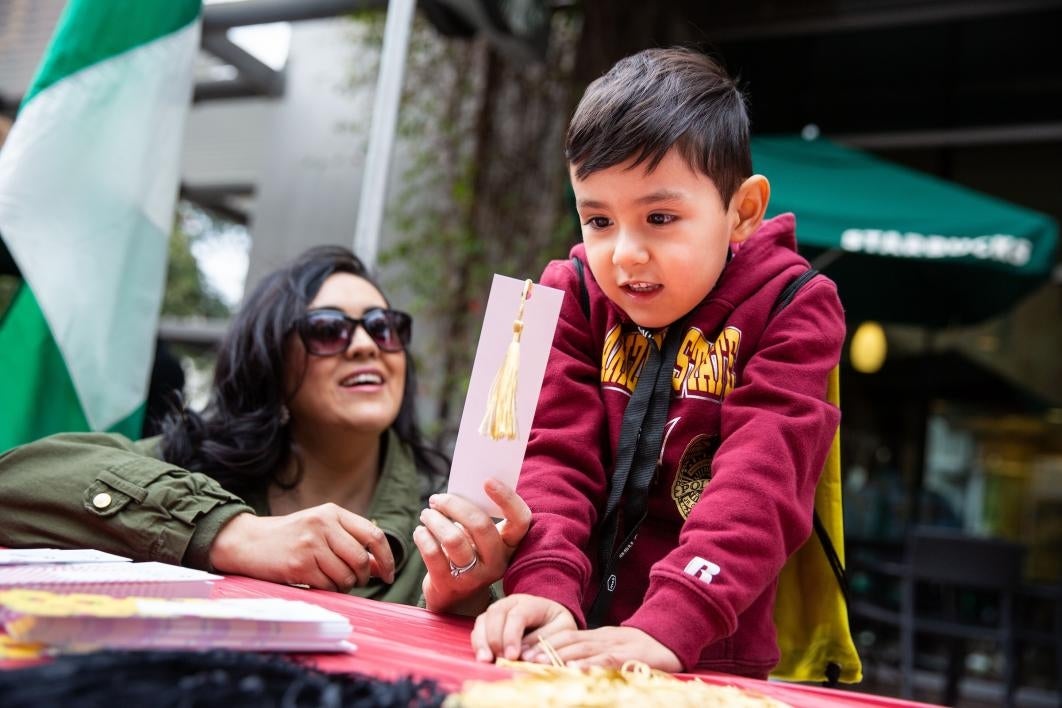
{"x": 675, "y": 244}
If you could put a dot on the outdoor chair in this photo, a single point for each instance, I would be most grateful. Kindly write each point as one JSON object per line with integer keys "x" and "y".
{"x": 1041, "y": 603}
{"x": 945, "y": 573}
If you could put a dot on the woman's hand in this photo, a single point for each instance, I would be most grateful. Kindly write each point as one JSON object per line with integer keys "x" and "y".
{"x": 324, "y": 547}
{"x": 456, "y": 533}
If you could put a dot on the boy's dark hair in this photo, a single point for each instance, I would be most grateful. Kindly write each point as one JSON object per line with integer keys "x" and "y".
{"x": 658, "y": 99}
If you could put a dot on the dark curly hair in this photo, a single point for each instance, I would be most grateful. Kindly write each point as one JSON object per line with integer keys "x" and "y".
{"x": 239, "y": 438}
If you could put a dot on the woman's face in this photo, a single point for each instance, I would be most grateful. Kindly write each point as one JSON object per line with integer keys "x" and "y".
{"x": 360, "y": 388}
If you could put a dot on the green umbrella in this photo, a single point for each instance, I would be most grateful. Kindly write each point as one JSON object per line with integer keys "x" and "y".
{"x": 903, "y": 246}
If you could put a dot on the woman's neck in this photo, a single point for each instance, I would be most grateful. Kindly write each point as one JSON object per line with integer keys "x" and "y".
{"x": 339, "y": 468}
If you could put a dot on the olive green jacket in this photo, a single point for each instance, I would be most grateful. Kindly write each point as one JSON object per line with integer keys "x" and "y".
{"x": 96, "y": 490}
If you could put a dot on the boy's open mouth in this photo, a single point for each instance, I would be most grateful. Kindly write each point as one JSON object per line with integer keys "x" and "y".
{"x": 641, "y": 288}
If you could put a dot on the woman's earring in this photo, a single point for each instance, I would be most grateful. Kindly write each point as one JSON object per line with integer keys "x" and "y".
{"x": 285, "y": 414}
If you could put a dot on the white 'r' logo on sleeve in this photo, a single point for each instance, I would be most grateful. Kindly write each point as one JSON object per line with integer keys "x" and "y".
{"x": 703, "y": 570}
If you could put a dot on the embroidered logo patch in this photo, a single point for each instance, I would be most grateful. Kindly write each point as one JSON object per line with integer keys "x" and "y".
{"x": 703, "y": 570}
{"x": 694, "y": 472}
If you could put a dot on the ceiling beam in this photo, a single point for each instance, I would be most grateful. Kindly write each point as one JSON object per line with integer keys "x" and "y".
{"x": 220, "y": 17}
{"x": 834, "y": 22}
{"x": 255, "y": 78}
{"x": 258, "y": 75}
{"x": 483, "y": 17}
{"x": 953, "y": 137}
{"x": 194, "y": 331}
{"x": 216, "y": 197}
{"x": 221, "y": 89}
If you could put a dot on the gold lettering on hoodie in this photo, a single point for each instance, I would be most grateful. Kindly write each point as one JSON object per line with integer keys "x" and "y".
{"x": 706, "y": 369}
{"x": 624, "y": 357}
{"x": 703, "y": 369}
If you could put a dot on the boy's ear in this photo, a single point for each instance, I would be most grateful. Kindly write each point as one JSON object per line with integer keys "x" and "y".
{"x": 747, "y": 207}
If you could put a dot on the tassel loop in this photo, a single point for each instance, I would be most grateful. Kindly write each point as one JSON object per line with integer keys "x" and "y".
{"x": 499, "y": 421}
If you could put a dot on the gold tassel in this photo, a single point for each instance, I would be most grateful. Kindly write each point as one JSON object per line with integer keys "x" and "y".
{"x": 500, "y": 419}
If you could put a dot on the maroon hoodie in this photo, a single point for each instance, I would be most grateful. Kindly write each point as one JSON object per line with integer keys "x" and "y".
{"x": 748, "y": 424}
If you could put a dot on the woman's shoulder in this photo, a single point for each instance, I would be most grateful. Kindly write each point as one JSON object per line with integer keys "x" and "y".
{"x": 151, "y": 447}
{"x": 81, "y": 440}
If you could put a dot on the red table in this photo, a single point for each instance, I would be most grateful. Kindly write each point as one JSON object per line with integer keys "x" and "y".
{"x": 395, "y": 640}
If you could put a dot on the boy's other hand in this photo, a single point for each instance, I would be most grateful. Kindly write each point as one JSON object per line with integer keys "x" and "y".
{"x": 609, "y": 647}
{"x": 454, "y": 530}
{"x": 499, "y": 632}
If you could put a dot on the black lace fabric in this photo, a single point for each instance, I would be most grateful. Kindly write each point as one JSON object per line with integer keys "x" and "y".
{"x": 180, "y": 679}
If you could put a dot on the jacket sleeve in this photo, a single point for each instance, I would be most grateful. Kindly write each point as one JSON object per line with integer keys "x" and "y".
{"x": 563, "y": 478}
{"x": 103, "y": 491}
{"x": 776, "y": 431}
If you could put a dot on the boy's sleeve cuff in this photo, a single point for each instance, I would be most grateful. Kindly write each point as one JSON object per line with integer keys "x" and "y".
{"x": 207, "y": 527}
{"x": 548, "y": 581}
{"x": 666, "y": 615}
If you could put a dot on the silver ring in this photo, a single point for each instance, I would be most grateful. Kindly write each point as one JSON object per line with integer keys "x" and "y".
{"x": 457, "y": 571}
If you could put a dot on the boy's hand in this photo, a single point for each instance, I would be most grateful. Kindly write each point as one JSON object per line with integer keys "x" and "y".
{"x": 456, "y": 530}
{"x": 325, "y": 547}
{"x": 607, "y": 646}
{"x": 499, "y": 632}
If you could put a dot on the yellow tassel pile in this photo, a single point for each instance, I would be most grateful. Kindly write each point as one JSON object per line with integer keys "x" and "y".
{"x": 635, "y": 684}
{"x": 499, "y": 421}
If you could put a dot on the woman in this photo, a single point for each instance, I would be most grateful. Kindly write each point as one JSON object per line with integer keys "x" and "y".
{"x": 307, "y": 466}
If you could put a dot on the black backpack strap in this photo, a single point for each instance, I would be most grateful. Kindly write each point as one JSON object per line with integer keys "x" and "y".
{"x": 584, "y": 296}
{"x": 831, "y": 555}
{"x": 786, "y": 296}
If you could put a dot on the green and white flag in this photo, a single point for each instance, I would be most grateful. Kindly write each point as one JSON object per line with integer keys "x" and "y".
{"x": 88, "y": 180}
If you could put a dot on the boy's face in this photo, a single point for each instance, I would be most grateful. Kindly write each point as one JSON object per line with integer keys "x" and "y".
{"x": 655, "y": 241}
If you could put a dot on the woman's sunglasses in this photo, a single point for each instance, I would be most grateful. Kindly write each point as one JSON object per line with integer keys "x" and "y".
{"x": 329, "y": 332}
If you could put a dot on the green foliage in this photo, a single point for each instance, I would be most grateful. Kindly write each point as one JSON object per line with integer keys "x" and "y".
{"x": 482, "y": 188}
{"x": 187, "y": 293}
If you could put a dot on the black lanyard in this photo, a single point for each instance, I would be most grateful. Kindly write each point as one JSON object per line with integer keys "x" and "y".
{"x": 637, "y": 457}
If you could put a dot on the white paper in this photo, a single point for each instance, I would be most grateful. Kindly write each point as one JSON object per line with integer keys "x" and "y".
{"x": 116, "y": 579}
{"x": 258, "y": 624}
{"x": 28, "y": 556}
{"x": 478, "y": 457}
